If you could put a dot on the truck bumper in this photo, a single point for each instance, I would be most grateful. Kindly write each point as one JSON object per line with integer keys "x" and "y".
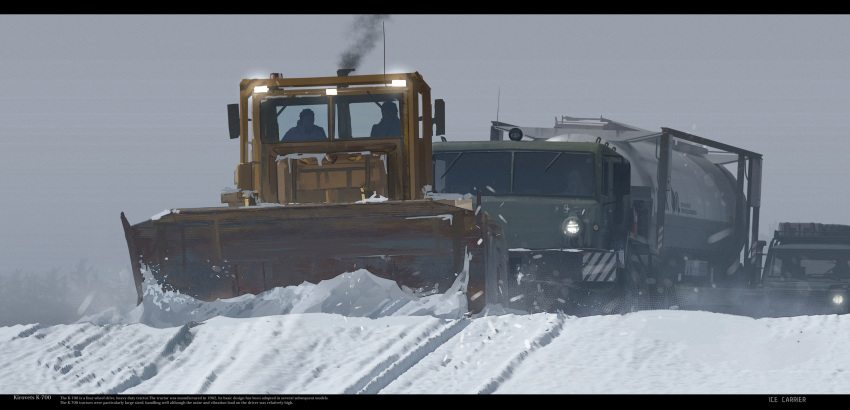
{"x": 555, "y": 279}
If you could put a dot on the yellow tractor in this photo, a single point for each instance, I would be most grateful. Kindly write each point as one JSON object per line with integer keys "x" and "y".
{"x": 334, "y": 175}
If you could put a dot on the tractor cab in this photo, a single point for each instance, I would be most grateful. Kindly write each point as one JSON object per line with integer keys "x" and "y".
{"x": 332, "y": 139}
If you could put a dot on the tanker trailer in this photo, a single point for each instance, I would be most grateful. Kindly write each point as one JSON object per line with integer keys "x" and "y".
{"x": 664, "y": 225}
{"x": 329, "y": 180}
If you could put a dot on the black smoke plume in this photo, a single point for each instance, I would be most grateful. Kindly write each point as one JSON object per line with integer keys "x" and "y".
{"x": 366, "y": 32}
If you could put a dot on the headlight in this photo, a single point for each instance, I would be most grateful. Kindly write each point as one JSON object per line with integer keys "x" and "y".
{"x": 837, "y": 299}
{"x": 571, "y": 227}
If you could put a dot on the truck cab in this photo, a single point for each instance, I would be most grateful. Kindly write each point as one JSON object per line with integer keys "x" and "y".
{"x": 807, "y": 271}
{"x": 563, "y": 207}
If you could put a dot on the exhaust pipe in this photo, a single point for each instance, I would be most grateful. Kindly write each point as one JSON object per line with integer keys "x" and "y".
{"x": 343, "y": 72}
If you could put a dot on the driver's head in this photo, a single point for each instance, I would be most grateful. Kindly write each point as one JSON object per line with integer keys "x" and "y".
{"x": 307, "y": 116}
{"x": 389, "y": 108}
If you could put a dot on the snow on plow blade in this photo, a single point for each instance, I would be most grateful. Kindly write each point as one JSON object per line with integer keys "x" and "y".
{"x": 218, "y": 253}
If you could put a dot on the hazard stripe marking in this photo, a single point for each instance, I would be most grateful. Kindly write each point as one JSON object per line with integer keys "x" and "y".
{"x": 599, "y": 267}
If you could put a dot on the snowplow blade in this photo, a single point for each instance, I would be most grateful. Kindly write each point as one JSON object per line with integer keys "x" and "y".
{"x": 218, "y": 253}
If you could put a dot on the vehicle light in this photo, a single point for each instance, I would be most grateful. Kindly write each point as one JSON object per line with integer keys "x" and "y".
{"x": 331, "y": 91}
{"x": 261, "y": 89}
{"x": 515, "y": 134}
{"x": 399, "y": 83}
{"x": 837, "y": 299}
{"x": 571, "y": 226}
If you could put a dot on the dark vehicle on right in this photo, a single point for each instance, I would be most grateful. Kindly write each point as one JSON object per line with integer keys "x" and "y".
{"x": 806, "y": 271}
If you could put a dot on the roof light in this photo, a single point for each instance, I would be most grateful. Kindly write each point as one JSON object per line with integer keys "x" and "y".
{"x": 399, "y": 83}
{"x": 515, "y": 134}
{"x": 331, "y": 91}
{"x": 261, "y": 89}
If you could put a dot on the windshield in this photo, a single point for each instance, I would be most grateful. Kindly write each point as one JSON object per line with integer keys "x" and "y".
{"x": 810, "y": 263}
{"x": 553, "y": 173}
{"x": 368, "y": 116}
{"x": 534, "y": 173}
{"x": 470, "y": 172}
{"x": 294, "y": 119}
{"x": 305, "y": 118}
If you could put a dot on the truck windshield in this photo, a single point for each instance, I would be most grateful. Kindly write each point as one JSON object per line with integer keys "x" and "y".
{"x": 553, "y": 173}
{"x": 542, "y": 173}
{"x": 788, "y": 263}
{"x": 470, "y": 172}
{"x": 294, "y": 119}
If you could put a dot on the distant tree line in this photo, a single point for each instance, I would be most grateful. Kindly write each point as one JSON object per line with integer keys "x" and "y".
{"x": 58, "y": 297}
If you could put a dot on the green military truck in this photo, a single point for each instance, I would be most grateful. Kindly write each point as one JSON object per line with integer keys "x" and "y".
{"x": 604, "y": 217}
{"x": 806, "y": 271}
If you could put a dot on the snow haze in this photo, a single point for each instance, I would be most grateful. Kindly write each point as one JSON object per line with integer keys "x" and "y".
{"x": 359, "y": 334}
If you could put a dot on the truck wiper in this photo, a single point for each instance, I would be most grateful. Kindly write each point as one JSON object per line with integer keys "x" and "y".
{"x": 451, "y": 165}
{"x": 552, "y": 162}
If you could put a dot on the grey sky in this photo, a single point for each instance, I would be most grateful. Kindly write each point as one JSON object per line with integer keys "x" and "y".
{"x": 103, "y": 114}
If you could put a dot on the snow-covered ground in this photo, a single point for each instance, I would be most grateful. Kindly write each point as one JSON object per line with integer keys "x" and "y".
{"x": 361, "y": 334}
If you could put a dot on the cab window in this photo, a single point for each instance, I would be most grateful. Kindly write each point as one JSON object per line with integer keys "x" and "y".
{"x": 369, "y": 116}
{"x": 810, "y": 263}
{"x": 294, "y": 119}
{"x": 471, "y": 172}
{"x": 553, "y": 174}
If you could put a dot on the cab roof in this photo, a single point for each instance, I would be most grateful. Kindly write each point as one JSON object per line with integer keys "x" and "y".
{"x": 450, "y": 146}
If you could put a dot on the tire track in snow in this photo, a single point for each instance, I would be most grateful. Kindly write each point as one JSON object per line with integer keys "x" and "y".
{"x": 176, "y": 344}
{"x": 389, "y": 369}
{"x": 538, "y": 342}
{"x": 30, "y": 331}
{"x": 67, "y": 352}
{"x": 227, "y": 357}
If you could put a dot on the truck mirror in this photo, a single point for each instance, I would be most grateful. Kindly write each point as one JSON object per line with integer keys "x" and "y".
{"x": 233, "y": 120}
{"x": 440, "y": 116}
{"x": 622, "y": 178}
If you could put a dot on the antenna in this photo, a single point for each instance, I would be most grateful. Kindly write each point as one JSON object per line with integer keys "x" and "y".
{"x": 384, "y": 35}
{"x": 498, "y": 100}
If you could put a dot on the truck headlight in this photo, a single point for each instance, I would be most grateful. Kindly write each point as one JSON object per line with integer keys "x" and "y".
{"x": 571, "y": 227}
{"x": 837, "y": 299}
